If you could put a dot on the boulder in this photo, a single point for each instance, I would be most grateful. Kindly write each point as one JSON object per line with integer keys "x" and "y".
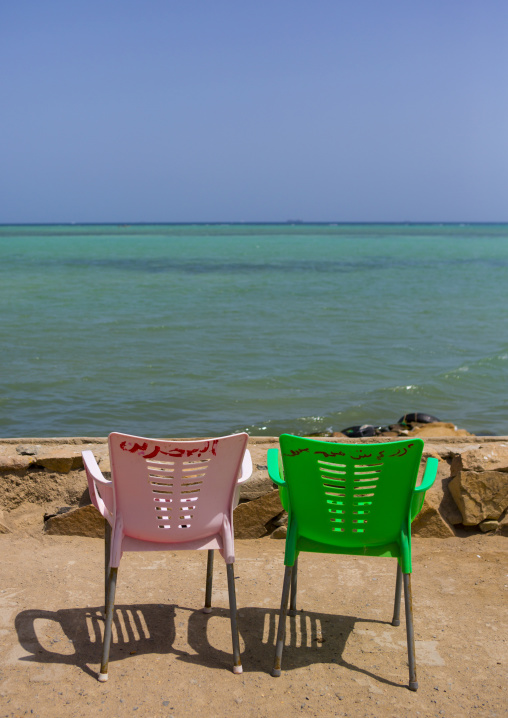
{"x": 251, "y": 519}
{"x": 258, "y": 485}
{"x": 489, "y": 525}
{"x": 279, "y": 533}
{"x": 503, "y": 526}
{"x": 12, "y": 461}
{"x": 41, "y": 487}
{"x": 436, "y": 429}
{"x": 83, "y": 521}
{"x": 439, "y": 496}
{"x": 480, "y": 495}
{"x": 60, "y": 459}
{"x": 430, "y": 523}
{"x": 489, "y": 457}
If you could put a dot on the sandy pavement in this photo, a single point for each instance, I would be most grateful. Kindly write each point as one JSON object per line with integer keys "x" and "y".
{"x": 342, "y": 656}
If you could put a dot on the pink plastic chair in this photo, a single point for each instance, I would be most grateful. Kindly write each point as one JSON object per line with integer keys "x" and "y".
{"x": 170, "y": 496}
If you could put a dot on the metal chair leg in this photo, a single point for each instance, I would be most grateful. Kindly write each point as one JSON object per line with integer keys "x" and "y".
{"x": 408, "y": 605}
{"x": 110, "y": 607}
{"x": 281, "y": 631}
{"x": 294, "y": 586}
{"x": 209, "y": 581}
{"x": 237, "y": 666}
{"x": 107, "y": 552}
{"x": 398, "y": 591}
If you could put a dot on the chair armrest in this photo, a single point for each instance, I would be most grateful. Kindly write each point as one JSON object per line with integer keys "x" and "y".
{"x": 276, "y": 473}
{"x": 246, "y": 467}
{"x": 101, "y": 490}
{"x": 274, "y": 469}
{"x": 429, "y": 476}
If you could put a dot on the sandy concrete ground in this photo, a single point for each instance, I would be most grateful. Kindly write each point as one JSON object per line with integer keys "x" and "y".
{"x": 342, "y": 656}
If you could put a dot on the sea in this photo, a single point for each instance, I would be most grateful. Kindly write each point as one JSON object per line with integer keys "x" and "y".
{"x": 186, "y": 330}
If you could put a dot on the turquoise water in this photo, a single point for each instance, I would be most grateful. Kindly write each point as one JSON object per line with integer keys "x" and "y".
{"x": 187, "y": 330}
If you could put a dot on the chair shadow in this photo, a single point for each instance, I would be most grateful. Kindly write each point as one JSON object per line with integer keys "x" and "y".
{"x": 139, "y": 628}
{"x": 311, "y": 637}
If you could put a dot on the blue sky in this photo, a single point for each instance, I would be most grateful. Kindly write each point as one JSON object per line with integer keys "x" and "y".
{"x": 233, "y": 110}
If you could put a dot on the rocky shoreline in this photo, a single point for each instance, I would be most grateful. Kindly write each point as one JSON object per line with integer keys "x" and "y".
{"x": 43, "y": 486}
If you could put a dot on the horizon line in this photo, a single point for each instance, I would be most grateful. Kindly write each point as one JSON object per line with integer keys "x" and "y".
{"x": 296, "y": 222}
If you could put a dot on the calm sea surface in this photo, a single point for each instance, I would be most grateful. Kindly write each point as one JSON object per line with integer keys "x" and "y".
{"x": 192, "y": 330}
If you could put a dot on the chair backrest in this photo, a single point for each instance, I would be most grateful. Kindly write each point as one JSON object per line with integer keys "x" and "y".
{"x": 350, "y": 494}
{"x": 174, "y": 491}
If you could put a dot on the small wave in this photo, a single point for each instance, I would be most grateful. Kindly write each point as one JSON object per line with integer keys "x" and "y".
{"x": 411, "y": 388}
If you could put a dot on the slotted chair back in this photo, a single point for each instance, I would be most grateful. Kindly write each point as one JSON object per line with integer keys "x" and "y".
{"x": 350, "y": 496}
{"x": 173, "y": 492}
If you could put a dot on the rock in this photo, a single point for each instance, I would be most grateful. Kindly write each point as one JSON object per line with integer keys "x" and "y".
{"x": 439, "y": 496}
{"x": 489, "y": 457}
{"x": 279, "y": 533}
{"x": 83, "y": 521}
{"x": 359, "y": 431}
{"x": 430, "y": 523}
{"x": 60, "y": 459}
{"x": 480, "y": 495}
{"x": 41, "y": 487}
{"x": 28, "y": 449}
{"x": 258, "y": 485}
{"x": 503, "y": 526}
{"x": 251, "y": 518}
{"x": 489, "y": 525}
{"x": 281, "y": 520}
{"x": 58, "y": 512}
{"x": 438, "y": 428}
{"x": 11, "y": 461}
{"x": 85, "y": 499}
{"x": 417, "y": 417}
{"x": 447, "y": 506}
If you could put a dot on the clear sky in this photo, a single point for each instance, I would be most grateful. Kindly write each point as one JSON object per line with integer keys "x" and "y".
{"x": 243, "y": 110}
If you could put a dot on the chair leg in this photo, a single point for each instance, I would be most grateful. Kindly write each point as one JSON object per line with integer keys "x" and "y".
{"x": 281, "y": 631}
{"x": 408, "y": 605}
{"x": 398, "y": 591}
{"x": 209, "y": 580}
{"x": 110, "y": 608}
{"x": 294, "y": 586}
{"x": 237, "y": 665}
{"x": 107, "y": 552}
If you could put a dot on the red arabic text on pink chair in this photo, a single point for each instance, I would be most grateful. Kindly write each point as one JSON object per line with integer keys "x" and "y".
{"x": 170, "y": 496}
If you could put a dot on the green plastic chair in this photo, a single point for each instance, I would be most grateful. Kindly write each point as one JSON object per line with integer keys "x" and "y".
{"x": 355, "y": 499}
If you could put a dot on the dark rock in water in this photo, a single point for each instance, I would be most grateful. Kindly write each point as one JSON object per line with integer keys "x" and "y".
{"x": 417, "y": 418}
{"x": 359, "y": 431}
